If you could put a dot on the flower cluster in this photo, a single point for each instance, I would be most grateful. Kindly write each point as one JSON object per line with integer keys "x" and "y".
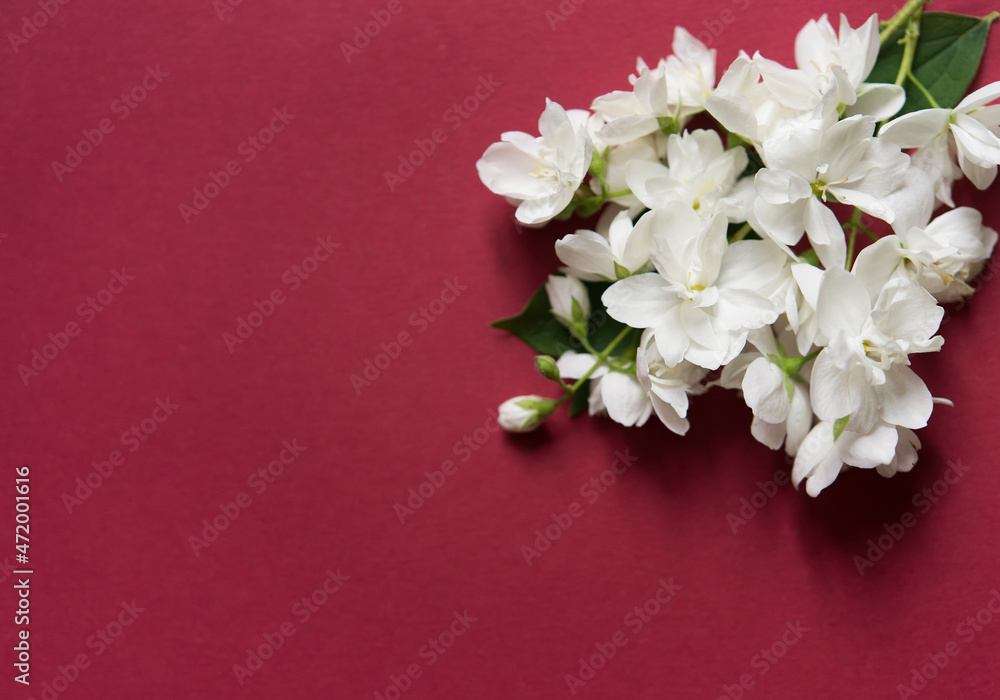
{"x": 728, "y": 245}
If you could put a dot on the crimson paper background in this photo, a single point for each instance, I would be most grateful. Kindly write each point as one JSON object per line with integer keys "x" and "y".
{"x": 332, "y": 508}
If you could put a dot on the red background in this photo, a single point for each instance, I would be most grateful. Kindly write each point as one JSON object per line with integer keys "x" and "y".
{"x": 333, "y": 507}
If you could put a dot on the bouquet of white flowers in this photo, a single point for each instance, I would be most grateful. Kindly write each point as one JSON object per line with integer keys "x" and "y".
{"x": 729, "y": 255}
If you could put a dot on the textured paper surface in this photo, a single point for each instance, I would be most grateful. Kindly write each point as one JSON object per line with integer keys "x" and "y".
{"x": 435, "y": 241}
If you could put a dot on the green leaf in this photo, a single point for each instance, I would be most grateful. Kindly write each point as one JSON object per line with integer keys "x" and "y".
{"x": 537, "y": 327}
{"x": 755, "y": 162}
{"x": 578, "y": 404}
{"x": 839, "y": 426}
{"x": 947, "y": 58}
{"x": 603, "y": 329}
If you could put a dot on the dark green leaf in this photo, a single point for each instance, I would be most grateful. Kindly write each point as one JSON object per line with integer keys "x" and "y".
{"x": 947, "y": 58}
{"x": 754, "y": 162}
{"x": 537, "y": 327}
{"x": 602, "y": 329}
{"x": 578, "y": 404}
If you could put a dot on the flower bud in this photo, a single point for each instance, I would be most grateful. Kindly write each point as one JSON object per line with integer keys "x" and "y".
{"x": 570, "y": 302}
{"x": 547, "y": 367}
{"x": 523, "y": 414}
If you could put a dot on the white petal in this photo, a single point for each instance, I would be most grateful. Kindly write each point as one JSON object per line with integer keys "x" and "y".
{"x": 770, "y": 434}
{"x": 980, "y": 145}
{"x": 916, "y": 129}
{"x": 629, "y": 128}
{"x": 825, "y": 234}
{"x": 734, "y": 111}
{"x": 868, "y": 450}
{"x": 640, "y": 301}
{"x": 781, "y": 186}
{"x": 573, "y": 365}
{"x": 625, "y": 399}
{"x": 784, "y": 223}
{"x": 876, "y": 264}
{"x": 843, "y": 305}
{"x": 764, "y": 391}
{"x": 913, "y": 203}
{"x": 829, "y": 389}
{"x": 587, "y": 255}
{"x": 980, "y": 97}
{"x": 799, "y": 421}
{"x": 906, "y": 454}
{"x": 881, "y": 101}
{"x": 668, "y": 416}
{"x": 906, "y": 400}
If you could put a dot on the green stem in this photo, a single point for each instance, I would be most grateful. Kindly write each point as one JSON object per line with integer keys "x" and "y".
{"x": 741, "y": 233}
{"x": 588, "y": 347}
{"x": 619, "y": 193}
{"x": 854, "y": 224}
{"x": 901, "y": 18}
{"x": 605, "y": 354}
{"x": 910, "y": 46}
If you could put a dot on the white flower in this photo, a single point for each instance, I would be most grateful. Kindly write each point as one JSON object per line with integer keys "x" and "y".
{"x": 818, "y": 49}
{"x": 523, "y": 414}
{"x": 943, "y": 256}
{"x": 800, "y": 306}
{"x": 675, "y": 89}
{"x": 616, "y": 392}
{"x": 540, "y": 174}
{"x": 829, "y": 446}
{"x": 774, "y": 387}
{"x": 618, "y": 158}
{"x": 622, "y": 251}
{"x": 756, "y": 96}
{"x": 936, "y": 159}
{"x": 972, "y": 127}
{"x": 706, "y": 295}
{"x": 864, "y": 372}
{"x": 809, "y": 164}
{"x": 667, "y": 388}
{"x": 569, "y": 301}
{"x": 701, "y": 173}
